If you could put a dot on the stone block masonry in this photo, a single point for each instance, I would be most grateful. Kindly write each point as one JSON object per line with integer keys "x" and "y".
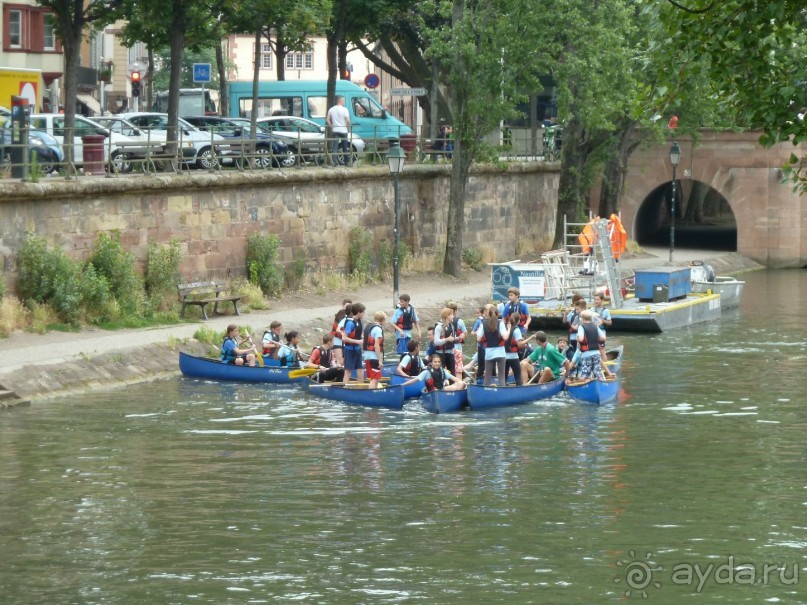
{"x": 312, "y": 211}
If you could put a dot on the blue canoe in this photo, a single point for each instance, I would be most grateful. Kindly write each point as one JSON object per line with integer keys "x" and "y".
{"x": 391, "y": 397}
{"x": 595, "y": 391}
{"x": 480, "y": 397}
{"x": 213, "y": 369}
{"x": 411, "y": 391}
{"x": 442, "y": 402}
{"x": 614, "y": 359}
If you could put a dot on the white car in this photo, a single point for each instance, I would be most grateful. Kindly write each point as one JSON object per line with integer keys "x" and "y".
{"x": 147, "y": 139}
{"x": 197, "y": 145}
{"x": 307, "y": 138}
{"x": 53, "y": 124}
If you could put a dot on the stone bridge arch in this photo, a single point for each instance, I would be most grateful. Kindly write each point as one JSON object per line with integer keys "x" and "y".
{"x": 771, "y": 223}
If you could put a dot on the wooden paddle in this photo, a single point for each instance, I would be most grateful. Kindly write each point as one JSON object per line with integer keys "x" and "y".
{"x": 258, "y": 356}
{"x": 303, "y": 372}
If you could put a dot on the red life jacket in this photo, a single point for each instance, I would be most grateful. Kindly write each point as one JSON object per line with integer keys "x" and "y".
{"x": 450, "y": 331}
{"x": 512, "y": 343}
{"x": 437, "y": 380}
{"x": 407, "y": 319}
{"x": 369, "y": 341}
{"x": 415, "y": 365}
{"x": 491, "y": 339}
{"x": 591, "y": 338}
{"x": 325, "y": 356}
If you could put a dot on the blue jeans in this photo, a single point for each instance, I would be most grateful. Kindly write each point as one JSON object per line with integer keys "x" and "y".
{"x": 340, "y": 148}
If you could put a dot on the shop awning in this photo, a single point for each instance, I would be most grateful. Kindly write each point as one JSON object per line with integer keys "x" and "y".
{"x": 90, "y": 102}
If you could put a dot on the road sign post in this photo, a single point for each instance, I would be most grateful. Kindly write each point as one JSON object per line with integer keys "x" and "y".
{"x": 408, "y": 92}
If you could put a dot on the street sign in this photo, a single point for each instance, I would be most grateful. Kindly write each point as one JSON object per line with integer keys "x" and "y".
{"x": 201, "y": 72}
{"x": 371, "y": 81}
{"x": 408, "y": 92}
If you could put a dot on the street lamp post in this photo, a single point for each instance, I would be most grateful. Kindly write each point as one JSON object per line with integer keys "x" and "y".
{"x": 675, "y": 157}
{"x": 396, "y": 158}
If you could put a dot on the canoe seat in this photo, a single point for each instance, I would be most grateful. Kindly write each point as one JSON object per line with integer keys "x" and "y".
{"x": 203, "y": 293}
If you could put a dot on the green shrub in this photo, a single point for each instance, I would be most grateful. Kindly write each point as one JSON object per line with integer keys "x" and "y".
{"x": 474, "y": 258}
{"x": 162, "y": 274}
{"x": 359, "y": 251}
{"x": 95, "y": 296}
{"x": 384, "y": 254}
{"x": 263, "y": 267}
{"x": 295, "y": 272}
{"x": 49, "y": 276}
{"x": 118, "y": 267}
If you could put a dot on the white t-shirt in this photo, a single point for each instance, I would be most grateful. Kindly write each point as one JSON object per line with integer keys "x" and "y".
{"x": 339, "y": 118}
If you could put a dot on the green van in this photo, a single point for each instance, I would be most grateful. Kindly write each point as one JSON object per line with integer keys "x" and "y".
{"x": 307, "y": 99}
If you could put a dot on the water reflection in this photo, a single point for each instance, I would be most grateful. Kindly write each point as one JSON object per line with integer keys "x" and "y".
{"x": 186, "y": 491}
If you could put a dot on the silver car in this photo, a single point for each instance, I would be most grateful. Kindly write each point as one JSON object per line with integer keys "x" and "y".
{"x": 307, "y": 138}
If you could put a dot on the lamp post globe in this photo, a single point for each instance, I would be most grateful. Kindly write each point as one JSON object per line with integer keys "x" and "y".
{"x": 396, "y": 159}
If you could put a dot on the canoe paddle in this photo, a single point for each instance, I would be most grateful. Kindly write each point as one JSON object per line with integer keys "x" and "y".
{"x": 303, "y": 372}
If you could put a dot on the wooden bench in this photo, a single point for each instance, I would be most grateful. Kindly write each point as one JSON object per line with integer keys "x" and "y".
{"x": 429, "y": 151}
{"x": 188, "y": 294}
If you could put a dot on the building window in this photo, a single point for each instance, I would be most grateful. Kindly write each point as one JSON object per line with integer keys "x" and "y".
{"x": 266, "y": 56}
{"x": 15, "y": 29}
{"x": 48, "y": 32}
{"x": 300, "y": 60}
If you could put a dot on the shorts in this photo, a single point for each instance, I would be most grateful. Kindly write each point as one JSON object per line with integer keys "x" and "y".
{"x": 400, "y": 345}
{"x": 372, "y": 369}
{"x": 590, "y": 366}
{"x": 352, "y": 359}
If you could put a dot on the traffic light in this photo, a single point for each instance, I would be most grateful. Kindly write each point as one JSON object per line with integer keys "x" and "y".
{"x": 348, "y": 71}
{"x": 135, "y": 77}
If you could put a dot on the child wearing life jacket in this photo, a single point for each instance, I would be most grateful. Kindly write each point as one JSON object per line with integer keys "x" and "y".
{"x": 436, "y": 377}
{"x": 373, "y": 348}
{"x": 411, "y": 363}
{"x": 271, "y": 339}
{"x": 322, "y": 359}
{"x": 233, "y": 351}
{"x": 336, "y": 330}
{"x": 493, "y": 334}
{"x": 289, "y": 353}
{"x": 352, "y": 340}
{"x": 445, "y": 335}
{"x": 404, "y": 320}
{"x": 460, "y": 331}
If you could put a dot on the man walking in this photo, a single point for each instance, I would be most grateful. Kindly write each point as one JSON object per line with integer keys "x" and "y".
{"x": 339, "y": 121}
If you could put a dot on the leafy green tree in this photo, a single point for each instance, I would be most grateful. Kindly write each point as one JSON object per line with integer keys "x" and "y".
{"x": 488, "y": 52}
{"x": 73, "y": 18}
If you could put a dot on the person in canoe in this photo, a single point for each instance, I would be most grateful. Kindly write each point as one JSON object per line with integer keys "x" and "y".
{"x": 373, "y": 348}
{"x": 289, "y": 353}
{"x": 323, "y": 359}
{"x": 336, "y": 330}
{"x": 437, "y": 378}
{"x": 411, "y": 363}
{"x": 590, "y": 339}
{"x": 545, "y": 360}
{"x": 352, "y": 340}
{"x": 233, "y": 351}
{"x": 404, "y": 320}
{"x": 271, "y": 339}
{"x": 492, "y": 334}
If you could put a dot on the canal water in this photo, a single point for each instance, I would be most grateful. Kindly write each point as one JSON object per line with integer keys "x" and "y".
{"x": 692, "y": 487}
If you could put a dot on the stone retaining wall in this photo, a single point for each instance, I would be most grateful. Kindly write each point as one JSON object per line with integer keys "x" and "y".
{"x": 311, "y": 210}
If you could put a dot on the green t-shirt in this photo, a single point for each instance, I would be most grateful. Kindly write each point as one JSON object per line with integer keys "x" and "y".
{"x": 549, "y": 357}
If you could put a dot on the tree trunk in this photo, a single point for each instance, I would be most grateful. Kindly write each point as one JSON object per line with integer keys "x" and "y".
{"x": 224, "y": 105}
{"x": 460, "y": 169}
{"x": 615, "y": 171}
{"x": 150, "y": 81}
{"x": 281, "y": 50}
{"x": 71, "y": 63}
{"x": 177, "y": 37}
{"x": 253, "y": 116}
{"x": 571, "y": 200}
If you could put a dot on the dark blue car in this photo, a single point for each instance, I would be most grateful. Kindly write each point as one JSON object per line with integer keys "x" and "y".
{"x": 269, "y": 149}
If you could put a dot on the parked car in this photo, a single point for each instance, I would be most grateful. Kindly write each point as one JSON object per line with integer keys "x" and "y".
{"x": 155, "y": 141}
{"x": 41, "y": 145}
{"x": 53, "y": 124}
{"x": 305, "y": 137}
{"x": 270, "y": 150}
{"x": 197, "y": 146}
